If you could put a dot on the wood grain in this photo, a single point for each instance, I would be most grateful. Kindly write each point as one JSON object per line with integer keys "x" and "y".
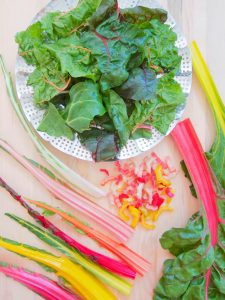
{"x": 200, "y": 20}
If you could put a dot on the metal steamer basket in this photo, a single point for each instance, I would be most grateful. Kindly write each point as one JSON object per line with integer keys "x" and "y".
{"x": 74, "y": 148}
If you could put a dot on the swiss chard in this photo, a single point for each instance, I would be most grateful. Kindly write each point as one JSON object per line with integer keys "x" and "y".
{"x": 43, "y": 286}
{"x": 29, "y": 40}
{"x": 103, "y": 145}
{"x": 108, "y": 278}
{"x": 53, "y": 124}
{"x": 117, "y": 110}
{"x": 86, "y": 103}
{"x": 205, "y": 281}
{"x": 216, "y": 155}
{"x": 80, "y": 280}
{"x": 162, "y": 51}
{"x": 141, "y": 85}
{"x": 74, "y": 58}
{"x": 159, "y": 111}
{"x": 47, "y": 83}
{"x": 97, "y": 49}
{"x": 105, "y": 9}
{"x": 135, "y": 261}
{"x": 198, "y": 267}
{"x": 104, "y": 261}
{"x": 65, "y": 193}
{"x": 112, "y": 57}
{"x": 71, "y": 21}
{"x": 140, "y": 14}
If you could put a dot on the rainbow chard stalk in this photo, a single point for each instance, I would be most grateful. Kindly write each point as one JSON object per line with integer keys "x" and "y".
{"x": 43, "y": 286}
{"x": 84, "y": 283}
{"x": 198, "y": 271}
{"x": 135, "y": 261}
{"x": 132, "y": 259}
{"x": 106, "y": 277}
{"x": 98, "y": 214}
{"x": 106, "y": 262}
{"x": 217, "y": 152}
{"x": 74, "y": 180}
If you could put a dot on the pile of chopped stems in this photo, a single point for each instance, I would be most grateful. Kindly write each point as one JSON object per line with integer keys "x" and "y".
{"x": 62, "y": 192}
{"x": 43, "y": 286}
{"x": 141, "y": 192}
{"x": 72, "y": 178}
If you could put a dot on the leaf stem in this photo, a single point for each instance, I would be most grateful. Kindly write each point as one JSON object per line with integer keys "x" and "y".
{"x": 56, "y": 87}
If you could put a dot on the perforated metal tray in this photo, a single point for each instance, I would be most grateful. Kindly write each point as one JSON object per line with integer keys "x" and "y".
{"x": 74, "y": 148}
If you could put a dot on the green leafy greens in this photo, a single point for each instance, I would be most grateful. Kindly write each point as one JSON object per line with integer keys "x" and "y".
{"x": 102, "y": 72}
{"x": 184, "y": 276}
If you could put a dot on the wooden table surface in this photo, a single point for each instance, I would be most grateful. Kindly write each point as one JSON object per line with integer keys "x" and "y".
{"x": 201, "y": 20}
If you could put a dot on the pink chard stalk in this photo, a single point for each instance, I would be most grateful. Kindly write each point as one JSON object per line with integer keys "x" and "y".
{"x": 46, "y": 288}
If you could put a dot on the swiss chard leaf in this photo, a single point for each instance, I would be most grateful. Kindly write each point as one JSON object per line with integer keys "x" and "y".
{"x": 169, "y": 287}
{"x": 86, "y": 103}
{"x": 117, "y": 111}
{"x": 169, "y": 96}
{"x": 216, "y": 156}
{"x": 131, "y": 34}
{"x": 74, "y": 59}
{"x": 29, "y": 40}
{"x": 169, "y": 91}
{"x": 102, "y": 144}
{"x": 196, "y": 290}
{"x": 186, "y": 265}
{"x": 105, "y": 9}
{"x": 47, "y": 83}
{"x": 141, "y": 85}
{"x": 141, "y": 133}
{"x": 140, "y": 113}
{"x": 112, "y": 57}
{"x": 162, "y": 117}
{"x": 162, "y": 51}
{"x": 184, "y": 277}
{"x": 72, "y": 20}
{"x": 47, "y": 24}
{"x": 192, "y": 259}
{"x": 136, "y": 61}
{"x": 104, "y": 122}
{"x": 161, "y": 109}
{"x": 179, "y": 240}
{"x": 141, "y": 14}
{"x": 218, "y": 280}
{"x": 54, "y": 125}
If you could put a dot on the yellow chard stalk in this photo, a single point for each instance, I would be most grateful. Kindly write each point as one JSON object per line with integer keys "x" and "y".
{"x": 208, "y": 85}
{"x": 83, "y": 282}
{"x": 216, "y": 155}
